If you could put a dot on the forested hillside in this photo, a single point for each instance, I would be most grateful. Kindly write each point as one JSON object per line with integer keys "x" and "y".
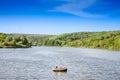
{"x": 33, "y": 38}
{"x": 13, "y": 42}
{"x": 105, "y": 40}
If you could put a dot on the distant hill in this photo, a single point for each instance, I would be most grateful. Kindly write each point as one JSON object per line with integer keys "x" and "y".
{"x": 104, "y": 40}
{"x": 34, "y": 38}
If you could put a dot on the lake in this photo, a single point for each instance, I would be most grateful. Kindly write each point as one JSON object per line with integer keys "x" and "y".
{"x": 36, "y": 63}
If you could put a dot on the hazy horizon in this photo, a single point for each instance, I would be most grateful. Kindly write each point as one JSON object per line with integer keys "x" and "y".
{"x": 59, "y": 16}
{"x": 57, "y": 34}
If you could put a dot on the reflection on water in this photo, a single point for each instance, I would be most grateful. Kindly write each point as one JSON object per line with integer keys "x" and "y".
{"x": 60, "y": 73}
{"x": 36, "y": 63}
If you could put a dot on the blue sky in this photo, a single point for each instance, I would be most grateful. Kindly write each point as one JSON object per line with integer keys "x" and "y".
{"x": 58, "y": 16}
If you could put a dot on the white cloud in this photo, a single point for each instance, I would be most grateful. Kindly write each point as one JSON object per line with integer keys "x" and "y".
{"x": 76, "y": 7}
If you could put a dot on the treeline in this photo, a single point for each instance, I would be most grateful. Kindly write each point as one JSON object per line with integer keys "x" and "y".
{"x": 13, "y": 42}
{"x": 104, "y": 40}
{"x": 34, "y": 39}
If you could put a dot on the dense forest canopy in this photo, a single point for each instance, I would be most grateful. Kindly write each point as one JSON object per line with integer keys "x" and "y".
{"x": 34, "y": 39}
{"x": 105, "y": 40}
{"x": 14, "y": 42}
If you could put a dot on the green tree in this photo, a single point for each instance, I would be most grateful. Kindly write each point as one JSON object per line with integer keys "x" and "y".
{"x": 23, "y": 39}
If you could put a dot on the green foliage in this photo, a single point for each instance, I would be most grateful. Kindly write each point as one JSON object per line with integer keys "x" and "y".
{"x": 13, "y": 42}
{"x": 2, "y": 36}
{"x": 105, "y": 40}
{"x": 33, "y": 39}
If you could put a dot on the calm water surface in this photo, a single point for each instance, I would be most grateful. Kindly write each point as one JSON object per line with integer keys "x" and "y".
{"x": 36, "y": 63}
